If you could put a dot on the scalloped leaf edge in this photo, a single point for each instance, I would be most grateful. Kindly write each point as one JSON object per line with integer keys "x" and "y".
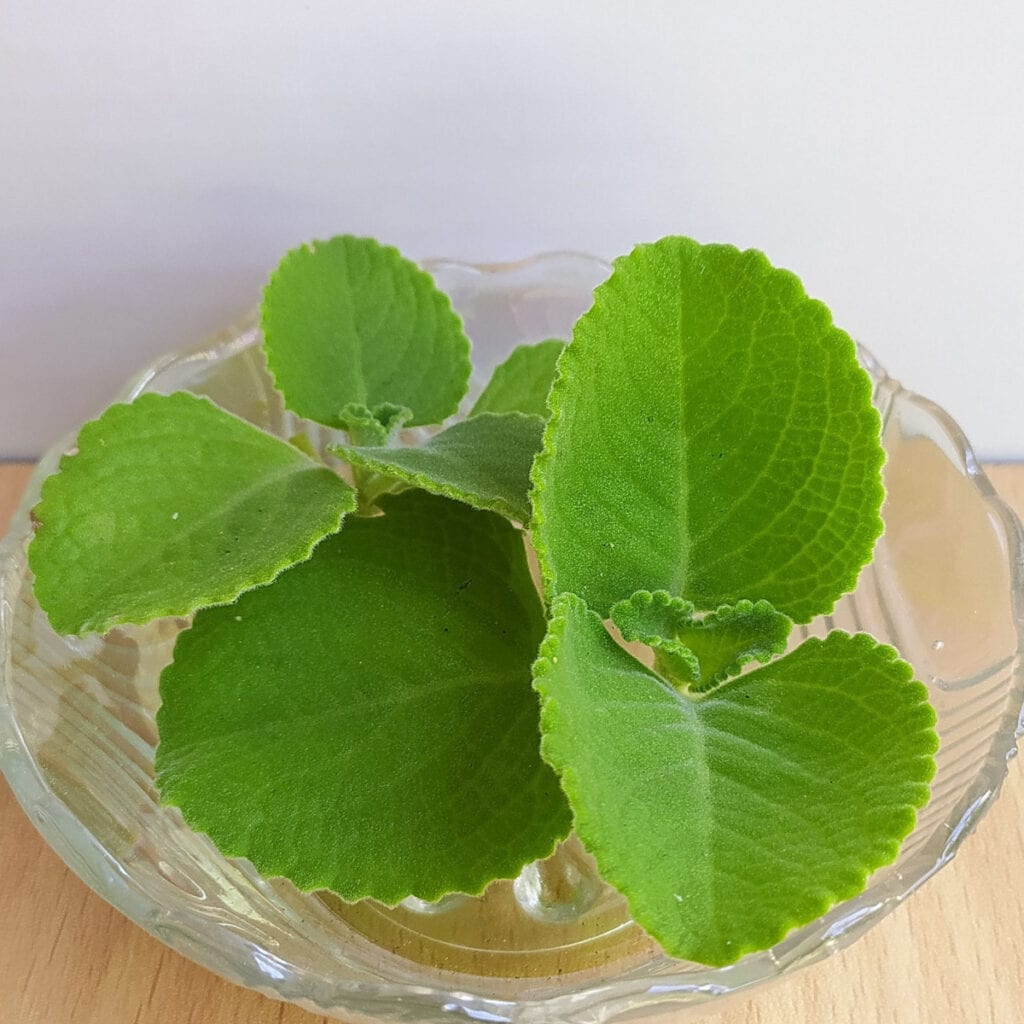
{"x": 351, "y": 455}
{"x": 684, "y": 615}
{"x": 219, "y": 596}
{"x": 548, "y": 655}
{"x": 463, "y": 361}
{"x": 561, "y": 382}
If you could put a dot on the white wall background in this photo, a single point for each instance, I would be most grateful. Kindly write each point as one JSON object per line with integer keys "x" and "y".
{"x": 157, "y": 159}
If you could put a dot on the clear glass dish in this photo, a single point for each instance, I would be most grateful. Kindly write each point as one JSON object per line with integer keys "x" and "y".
{"x": 77, "y": 737}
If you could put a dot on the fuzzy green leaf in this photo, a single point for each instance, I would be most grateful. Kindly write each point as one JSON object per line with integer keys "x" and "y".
{"x": 484, "y": 461}
{"x": 373, "y": 427}
{"x": 729, "y": 819}
{"x": 522, "y": 382}
{"x": 352, "y": 322}
{"x": 711, "y": 435}
{"x": 651, "y": 619}
{"x": 366, "y": 724}
{"x": 700, "y": 651}
{"x": 171, "y": 504}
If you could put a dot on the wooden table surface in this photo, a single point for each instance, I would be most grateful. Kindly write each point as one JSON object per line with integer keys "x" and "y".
{"x": 954, "y": 952}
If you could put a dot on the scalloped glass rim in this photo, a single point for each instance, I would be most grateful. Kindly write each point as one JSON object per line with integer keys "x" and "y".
{"x": 426, "y": 993}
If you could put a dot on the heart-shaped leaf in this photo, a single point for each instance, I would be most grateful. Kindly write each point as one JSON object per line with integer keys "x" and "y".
{"x": 729, "y": 819}
{"x": 711, "y": 435}
{"x": 484, "y": 461}
{"x": 171, "y": 504}
{"x": 366, "y": 723}
{"x": 352, "y": 322}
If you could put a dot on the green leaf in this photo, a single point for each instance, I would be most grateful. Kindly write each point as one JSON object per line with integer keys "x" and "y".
{"x": 373, "y": 427}
{"x": 170, "y": 504}
{"x": 729, "y": 819}
{"x": 522, "y": 382}
{"x": 711, "y": 435}
{"x": 651, "y": 619}
{"x": 700, "y": 651}
{"x": 484, "y": 461}
{"x": 366, "y": 724}
{"x": 352, "y": 322}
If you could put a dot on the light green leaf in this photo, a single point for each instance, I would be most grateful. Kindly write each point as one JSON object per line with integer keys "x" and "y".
{"x": 730, "y": 819}
{"x": 484, "y": 461}
{"x": 350, "y": 321}
{"x": 651, "y": 619}
{"x": 170, "y": 504}
{"x": 522, "y": 382}
{"x": 711, "y": 435}
{"x": 700, "y": 651}
{"x": 366, "y": 724}
{"x": 375, "y": 427}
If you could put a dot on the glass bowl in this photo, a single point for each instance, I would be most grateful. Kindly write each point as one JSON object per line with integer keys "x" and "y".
{"x": 77, "y": 737}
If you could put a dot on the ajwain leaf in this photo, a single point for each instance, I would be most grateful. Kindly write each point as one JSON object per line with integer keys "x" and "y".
{"x": 169, "y": 504}
{"x": 701, "y": 651}
{"x": 373, "y": 427}
{"x": 711, "y": 435}
{"x": 351, "y": 321}
{"x": 522, "y": 382}
{"x": 366, "y": 724}
{"x": 651, "y": 619}
{"x": 729, "y": 819}
{"x": 484, "y": 461}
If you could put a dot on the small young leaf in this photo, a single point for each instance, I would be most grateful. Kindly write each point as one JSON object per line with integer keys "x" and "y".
{"x": 484, "y": 461}
{"x": 170, "y": 504}
{"x": 522, "y": 382}
{"x": 701, "y": 651}
{"x": 366, "y": 723}
{"x": 711, "y": 435}
{"x": 350, "y": 321}
{"x": 733, "y": 636}
{"x": 651, "y": 619}
{"x": 373, "y": 427}
{"x": 729, "y": 819}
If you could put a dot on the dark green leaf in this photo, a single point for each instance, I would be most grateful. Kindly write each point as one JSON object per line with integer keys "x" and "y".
{"x": 366, "y": 724}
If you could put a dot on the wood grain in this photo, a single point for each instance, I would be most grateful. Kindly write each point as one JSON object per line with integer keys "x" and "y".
{"x": 955, "y": 952}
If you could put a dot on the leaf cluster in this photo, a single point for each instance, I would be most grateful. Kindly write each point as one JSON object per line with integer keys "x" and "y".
{"x": 374, "y": 697}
